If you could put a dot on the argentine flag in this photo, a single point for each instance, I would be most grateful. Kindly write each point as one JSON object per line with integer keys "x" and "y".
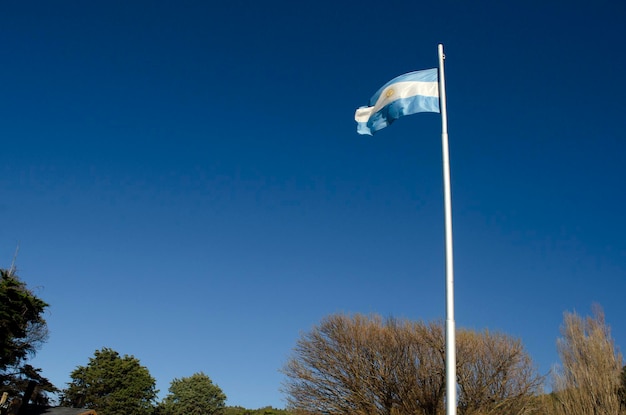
{"x": 405, "y": 95}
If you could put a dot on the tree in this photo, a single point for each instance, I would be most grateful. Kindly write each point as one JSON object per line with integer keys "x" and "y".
{"x": 350, "y": 365}
{"x": 23, "y": 326}
{"x": 268, "y": 410}
{"x": 367, "y": 365}
{"x": 422, "y": 381}
{"x": 622, "y": 389}
{"x": 495, "y": 375}
{"x": 111, "y": 385}
{"x": 24, "y": 330}
{"x": 194, "y": 395}
{"x": 588, "y": 380}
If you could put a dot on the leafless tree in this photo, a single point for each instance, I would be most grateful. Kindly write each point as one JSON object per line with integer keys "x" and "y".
{"x": 345, "y": 366}
{"x": 423, "y": 382}
{"x": 370, "y": 366}
{"x": 495, "y": 375}
{"x": 588, "y": 380}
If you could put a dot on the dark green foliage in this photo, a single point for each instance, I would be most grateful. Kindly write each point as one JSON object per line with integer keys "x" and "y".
{"x": 21, "y": 323}
{"x": 16, "y": 382}
{"x": 195, "y": 395}
{"x": 112, "y": 385}
{"x": 23, "y": 331}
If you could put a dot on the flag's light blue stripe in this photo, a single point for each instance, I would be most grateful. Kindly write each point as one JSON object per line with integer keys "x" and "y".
{"x": 396, "y": 109}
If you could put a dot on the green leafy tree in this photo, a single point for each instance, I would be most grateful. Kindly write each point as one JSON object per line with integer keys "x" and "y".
{"x": 194, "y": 395}
{"x": 111, "y": 385}
{"x": 23, "y": 330}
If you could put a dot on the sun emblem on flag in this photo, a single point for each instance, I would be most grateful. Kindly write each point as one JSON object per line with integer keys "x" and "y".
{"x": 389, "y": 92}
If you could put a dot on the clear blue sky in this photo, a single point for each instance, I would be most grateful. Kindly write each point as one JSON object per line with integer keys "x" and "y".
{"x": 186, "y": 185}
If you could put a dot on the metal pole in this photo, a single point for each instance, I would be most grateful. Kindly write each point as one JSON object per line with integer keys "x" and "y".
{"x": 450, "y": 353}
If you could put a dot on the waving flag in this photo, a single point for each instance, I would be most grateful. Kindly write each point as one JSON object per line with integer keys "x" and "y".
{"x": 405, "y": 95}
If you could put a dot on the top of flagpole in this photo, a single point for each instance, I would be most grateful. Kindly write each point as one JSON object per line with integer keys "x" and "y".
{"x": 442, "y": 92}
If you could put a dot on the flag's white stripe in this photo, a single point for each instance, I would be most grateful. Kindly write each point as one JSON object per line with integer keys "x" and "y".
{"x": 427, "y": 75}
{"x": 363, "y": 114}
{"x": 397, "y": 91}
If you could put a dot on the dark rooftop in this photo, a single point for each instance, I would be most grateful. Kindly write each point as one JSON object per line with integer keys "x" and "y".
{"x": 56, "y": 410}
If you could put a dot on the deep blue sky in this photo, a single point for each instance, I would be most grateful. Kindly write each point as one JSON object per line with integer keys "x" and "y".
{"x": 186, "y": 185}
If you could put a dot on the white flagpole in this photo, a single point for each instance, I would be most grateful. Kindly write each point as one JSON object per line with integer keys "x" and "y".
{"x": 450, "y": 329}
